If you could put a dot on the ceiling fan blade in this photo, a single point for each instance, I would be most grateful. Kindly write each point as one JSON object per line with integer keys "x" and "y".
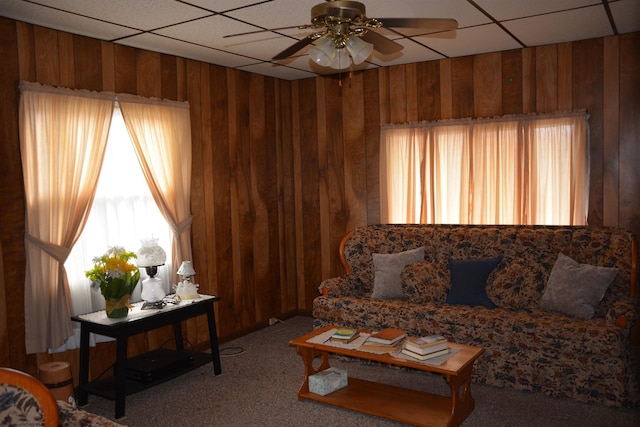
{"x": 300, "y": 27}
{"x": 293, "y": 48}
{"x": 426, "y": 23}
{"x": 382, "y": 44}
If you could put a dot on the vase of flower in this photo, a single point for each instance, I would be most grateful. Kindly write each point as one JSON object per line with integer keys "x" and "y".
{"x": 117, "y": 278}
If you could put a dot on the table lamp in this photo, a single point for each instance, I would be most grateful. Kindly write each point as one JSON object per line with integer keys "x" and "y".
{"x": 187, "y": 289}
{"x": 151, "y": 256}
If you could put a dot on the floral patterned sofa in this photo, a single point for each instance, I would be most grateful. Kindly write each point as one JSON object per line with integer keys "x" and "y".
{"x": 584, "y": 354}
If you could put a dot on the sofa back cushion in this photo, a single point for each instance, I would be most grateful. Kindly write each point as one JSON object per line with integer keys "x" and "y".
{"x": 517, "y": 285}
{"x": 426, "y": 281}
{"x": 533, "y": 249}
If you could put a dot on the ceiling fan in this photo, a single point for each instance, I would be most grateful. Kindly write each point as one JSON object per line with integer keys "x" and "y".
{"x": 347, "y": 34}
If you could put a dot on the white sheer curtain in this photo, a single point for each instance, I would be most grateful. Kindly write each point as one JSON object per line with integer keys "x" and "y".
{"x": 403, "y": 169}
{"x": 512, "y": 170}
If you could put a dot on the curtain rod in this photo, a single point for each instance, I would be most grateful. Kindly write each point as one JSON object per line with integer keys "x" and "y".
{"x": 469, "y": 120}
{"x": 124, "y": 97}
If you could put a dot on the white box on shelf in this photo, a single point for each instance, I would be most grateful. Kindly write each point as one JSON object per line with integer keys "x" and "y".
{"x": 327, "y": 381}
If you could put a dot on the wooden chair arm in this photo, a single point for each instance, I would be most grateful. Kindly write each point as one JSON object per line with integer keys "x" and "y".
{"x": 39, "y": 391}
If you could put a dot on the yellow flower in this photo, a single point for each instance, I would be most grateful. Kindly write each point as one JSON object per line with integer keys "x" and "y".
{"x": 114, "y": 273}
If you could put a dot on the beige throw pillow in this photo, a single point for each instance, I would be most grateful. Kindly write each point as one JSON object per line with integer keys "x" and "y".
{"x": 388, "y": 267}
{"x": 575, "y": 289}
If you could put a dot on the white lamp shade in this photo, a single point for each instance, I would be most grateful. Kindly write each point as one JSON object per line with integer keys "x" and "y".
{"x": 341, "y": 60}
{"x": 323, "y": 53}
{"x": 150, "y": 254}
{"x": 186, "y": 269}
{"x": 358, "y": 49}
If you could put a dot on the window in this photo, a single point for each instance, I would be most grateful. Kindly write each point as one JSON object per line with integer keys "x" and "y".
{"x": 526, "y": 170}
{"x": 123, "y": 213}
{"x": 63, "y": 138}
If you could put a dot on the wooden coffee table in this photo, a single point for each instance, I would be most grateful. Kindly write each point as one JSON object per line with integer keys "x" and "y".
{"x": 395, "y": 403}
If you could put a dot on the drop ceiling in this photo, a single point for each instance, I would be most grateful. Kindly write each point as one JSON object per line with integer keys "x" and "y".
{"x": 194, "y": 29}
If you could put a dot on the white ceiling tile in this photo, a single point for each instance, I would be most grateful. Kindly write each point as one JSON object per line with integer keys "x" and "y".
{"x": 512, "y": 9}
{"x": 468, "y": 41}
{"x": 223, "y": 5}
{"x": 161, "y": 44}
{"x": 461, "y": 10}
{"x": 139, "y": 14}
{"x": 626, "y": 14}
{"x": 51, "y": 18}
{"x": 277, "y": 13}
{"x": 589, "y": 23}
{"x": 282, "y": 72}
{"x": 210, "y": 31}
{"x": 411, "y": 52}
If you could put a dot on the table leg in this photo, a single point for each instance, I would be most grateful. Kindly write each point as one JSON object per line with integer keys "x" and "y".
{"x": 120, "y": 374}
{"x": 308, "y": 356}
{"x": 213, "y": 340}
{"x": 177, "y": 334}
{"x": 462, "y": 402}
{"x": 83, "y": 380}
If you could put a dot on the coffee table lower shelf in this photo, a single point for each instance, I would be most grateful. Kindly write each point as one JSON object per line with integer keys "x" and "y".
{"x": 387, "y": 401}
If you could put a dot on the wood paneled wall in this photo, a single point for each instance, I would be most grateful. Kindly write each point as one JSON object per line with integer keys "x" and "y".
{"x": 281, "y": 170}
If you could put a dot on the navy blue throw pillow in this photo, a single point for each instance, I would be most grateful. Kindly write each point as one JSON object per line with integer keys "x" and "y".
{"x": 469, "y": 281}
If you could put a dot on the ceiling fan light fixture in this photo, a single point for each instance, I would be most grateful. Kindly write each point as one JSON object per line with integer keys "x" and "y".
{"x": 343, "y": 34}
{"x": 358, "y": 49}
{"x": 341, "y": 59}
{"x": 324, "y": 52}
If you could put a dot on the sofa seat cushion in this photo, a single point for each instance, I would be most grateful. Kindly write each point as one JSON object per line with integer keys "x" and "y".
{"x": 517, "y": 330}
{"x": 358, "y": 312}
{"x": 530, "y": 330}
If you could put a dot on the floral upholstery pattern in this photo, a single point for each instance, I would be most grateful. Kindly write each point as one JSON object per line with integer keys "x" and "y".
{"x": 526, "y": 348}
{"x": 75, "y": 417}
{"x": 517, "y": 285}
{"x": 425, "y": 281}
{"x": 18, "y": 407}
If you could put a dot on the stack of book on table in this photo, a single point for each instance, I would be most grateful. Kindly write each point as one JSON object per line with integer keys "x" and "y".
{"x": 427, "y": 347}
{"x": 345, "y": 335}
{"x": 386, "y": 340}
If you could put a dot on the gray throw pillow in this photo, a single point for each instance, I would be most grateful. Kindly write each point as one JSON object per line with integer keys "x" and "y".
{"x": 388, "y": 267}
{"x": 575, "y": 289}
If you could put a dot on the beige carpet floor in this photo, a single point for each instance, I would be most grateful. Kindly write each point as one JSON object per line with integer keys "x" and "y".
{"x": 261, "y": 375}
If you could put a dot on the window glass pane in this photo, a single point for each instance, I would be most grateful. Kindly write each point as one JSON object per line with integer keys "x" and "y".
{"x": 123, "y": 214}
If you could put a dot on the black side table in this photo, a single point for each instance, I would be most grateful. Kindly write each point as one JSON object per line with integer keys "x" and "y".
{"x": 138, "y": 321}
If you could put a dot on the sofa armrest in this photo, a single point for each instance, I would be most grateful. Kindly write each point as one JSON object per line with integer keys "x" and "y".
{"x": 623, "y": 312}
{"x": 343, "y": 286}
